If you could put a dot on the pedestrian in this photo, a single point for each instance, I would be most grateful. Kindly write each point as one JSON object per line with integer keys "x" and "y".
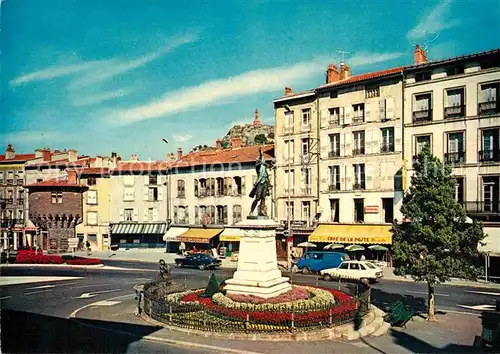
{"x": 195, "y": 250}
{"x": 363, "y": 258}
{"x": 87, "y": 247}
{"x": 182, "y": 248}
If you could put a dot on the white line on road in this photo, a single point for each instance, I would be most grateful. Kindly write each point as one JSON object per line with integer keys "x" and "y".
{"x": 479, "y": 307}
{"x": 461, "y": 312}
{"x": 41, "y": 287}
{"x": 38, "y": 292}
{"x": 88, "y": 286}
{"x": 425, "y": 293}
{"x": 106, "y": 303}
{"x": 9, "y": 280}
{"x": 482, "y": 292}
{"x": 95, "y": 293}
{"x": 5, "y": 297}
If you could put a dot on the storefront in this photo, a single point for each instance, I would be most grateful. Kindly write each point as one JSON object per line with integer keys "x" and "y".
{"x": 138, "y": 235}
{"x": 171, "y": 237}
{"x": 230, "y": 241}
{"x": 202, "y": 239}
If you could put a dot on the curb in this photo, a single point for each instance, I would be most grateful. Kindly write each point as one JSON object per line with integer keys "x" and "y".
{"x": 52, "y": 266}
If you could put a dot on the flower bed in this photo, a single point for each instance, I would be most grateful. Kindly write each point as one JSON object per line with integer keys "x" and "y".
{"x": 32, "y": 258}
{"x": 30, "y": 251}
{"x": 83, "y": 261}
{"x": 297, "y": 293}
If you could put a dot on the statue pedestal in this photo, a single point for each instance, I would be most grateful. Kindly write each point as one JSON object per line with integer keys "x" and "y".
{"x": 258, "y": 272}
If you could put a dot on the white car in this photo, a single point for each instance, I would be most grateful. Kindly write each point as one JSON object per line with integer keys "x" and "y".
{"x": 356, "y": 270}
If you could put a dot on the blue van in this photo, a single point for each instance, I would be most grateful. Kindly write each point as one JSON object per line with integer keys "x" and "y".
{"x": 314, "y": 261}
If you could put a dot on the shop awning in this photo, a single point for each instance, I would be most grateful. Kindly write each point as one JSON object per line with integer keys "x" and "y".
{"x": 199, "y": 235}
{"x": 364, "y": 234}
{"x": 231, "y": 234}
{"x": 139, "y": 228}
{"x": 173, "y": 233}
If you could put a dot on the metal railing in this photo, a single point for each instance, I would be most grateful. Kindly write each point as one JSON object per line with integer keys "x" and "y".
{"x": 358, "y": 151}
{"x": 485, "y": 108}
{"x": 387, "y": 148}
{"x": 454, "y": 157}
{"x": 482, "y": 207}
{"x": 334, "y": 187}
{"x": 454, "y": 112}
{"x": 360, "y": 118}
{"x": 334, "y": 153}
{"x": 422, "y": 116}
{"x": 492, "y": 155}
{"x": 358, "y": 185}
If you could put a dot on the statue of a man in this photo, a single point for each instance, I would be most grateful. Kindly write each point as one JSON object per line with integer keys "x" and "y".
{"x": 261, "y": 187}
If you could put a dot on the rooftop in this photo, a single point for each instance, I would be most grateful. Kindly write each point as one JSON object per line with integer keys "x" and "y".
{"x": 17, "y": 158}
{"x": 59, "y": 183}
{"x": 454, "y": 59}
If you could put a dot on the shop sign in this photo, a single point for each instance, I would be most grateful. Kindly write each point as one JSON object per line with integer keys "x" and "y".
{"x": 352, "y": 239}
{"x": 371, "y": 209}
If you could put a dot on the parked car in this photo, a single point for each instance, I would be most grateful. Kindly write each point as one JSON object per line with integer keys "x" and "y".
{"x": 355, "y": 270}
{"x": 198, "y": 260}
{"x": 315, "y": 261}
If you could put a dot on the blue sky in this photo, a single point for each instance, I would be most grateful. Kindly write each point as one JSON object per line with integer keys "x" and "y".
{"x": 120, "y": 75}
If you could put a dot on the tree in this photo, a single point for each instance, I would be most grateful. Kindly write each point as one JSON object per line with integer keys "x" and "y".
{"x": 260, "y": 139}
{"x": 437, "y": 242}
{"x": 212, "y": 288}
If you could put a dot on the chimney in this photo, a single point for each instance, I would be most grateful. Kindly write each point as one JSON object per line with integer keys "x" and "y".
{"x": 98, "y": 161}
{"x": 113, "y": 155}
{"x": 218, "y": 144}
{"x": 46, "y": 154}
{"x": 134, "y": 157}
{"x": 256, "y": 121}
{"x": 288, "y": 91}
{"x": 179, "y": 153}
{"x": 345, "y": 71}
{"x": 332, "y": 74}
{"x": 10, "y": 153}
{"x": 236, "y": 142}
{"x": 419, "y": 55}
{"x": 71, "y": 176}
{"x": 72, "y": 155}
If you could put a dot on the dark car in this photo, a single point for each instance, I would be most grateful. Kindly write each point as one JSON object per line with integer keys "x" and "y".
{"x": 198, "y": 260}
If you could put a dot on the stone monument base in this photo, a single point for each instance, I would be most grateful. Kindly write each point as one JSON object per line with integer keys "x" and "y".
{"x": 257, "y": 273}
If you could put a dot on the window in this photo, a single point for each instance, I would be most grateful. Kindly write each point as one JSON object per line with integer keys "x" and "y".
{"x": 289, "y": 181}
{"x": 306, "y": 211}
{"x": 422, "y": 76}
{"x": 92, "y": 197}
{"x": 20, "y": 215}
{"x": 221, "y": 186}
{"x": 334, "y": 94}
{"x": 152, "y": 194}
{"x": 422, "y": 108}
{"x": 1, "y": 177}
{"x": 359, "y": 143}
{"x": 93, "y": 238}
{"x": 91, "y": 181}
{"x": 491, "y": 194}
{"x": 239, "y": 185}
{"x": 39, "y": 180}
{"x": 305, "y": 146}
{"x": 372, "y": 91}
{"x": 151, "y": 216}
{"x": 423, "y": 140}
{"x": 455, "y": 70}
{"x": 456, "y": 153}
{"x": 91, "y": 218}
{"x": 334, "y": 172}
{"x": 358, "y": 113}
{"x": 459, "y": 189}
{"x": 454, "y": 105}
{"x": 11, "y": 215}
{"x": 10, "y": 196}
{"x": 289, "y": 122}
{"x": 20, "y": 196}
{"x": 290, "y": 210}
{"x": 306, "y": 117}
{"x": 354, "y": 266}
{"x": 359, "y": 210}
{"x": 334, "y": 116}
{"x": 334, "y": 210}
{"x": 306, "y": 178}
{"x": 212, "y": 186}
{"x": 128, "y": 194}
{"x": 387, "y": 139}
{"x": 344, "y": 266}
{"x": 236, "y": 213}
{"x": 181, "y": 189}
{"x": 359, "y": 176}
{"x": 289, "y": 150}
{"x": 489, "y": 99}
{"x": 153, "y": 179}
{"x": 490, "y": 145}
{"x": 56, "y": 197}
{"x": 388, "y": 206}
{"x": 334, "y": 145}
{"x": 129, "y": 214}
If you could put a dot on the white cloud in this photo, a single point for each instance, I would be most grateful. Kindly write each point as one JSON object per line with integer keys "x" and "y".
{"x": 182, "y": 138}
{"x": 28, "y": 136}
{"x": 433, "y": 22}
{"x": 365, "y": 58}
{"x": 212, "y": 92}
{"x": 87, "y": 100}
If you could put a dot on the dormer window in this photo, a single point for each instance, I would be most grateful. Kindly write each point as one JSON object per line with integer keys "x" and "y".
{"x": 455, "y": 70}
{"x": 422, "y": 76}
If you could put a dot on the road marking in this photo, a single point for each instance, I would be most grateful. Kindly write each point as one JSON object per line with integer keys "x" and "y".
{"x": 461, "y": 312}
{"x": 41, "y": 287}
{"x": 95, "y": 293}
{"x": 106, "y": 303}
{"x": 88, "y": 286}
{"x": 425, "y": 293}
{"x": 482, "y": 292}
{"x": 32, "y": 279}
{"x": 5, "y": 297}
{"x": 479, "y": 307}
{"x": 37, "y": 292}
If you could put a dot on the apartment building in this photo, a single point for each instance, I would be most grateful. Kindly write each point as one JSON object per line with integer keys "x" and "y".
{"x": 13, "y": 198}
{"x": 453, "y": 106}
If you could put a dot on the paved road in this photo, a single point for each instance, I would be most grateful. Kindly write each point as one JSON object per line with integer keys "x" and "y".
{"x": 35, "y": 316}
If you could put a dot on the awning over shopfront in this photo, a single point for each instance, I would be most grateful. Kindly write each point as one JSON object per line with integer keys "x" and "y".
{"x": 139, "y": 228}
{"x": 173, "y": 234}
{"x": 195, "y": 235}
{"x": 361, "y": 233}
{"x": 231, "y": 234}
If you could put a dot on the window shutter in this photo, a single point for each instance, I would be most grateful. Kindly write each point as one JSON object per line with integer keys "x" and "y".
{"x": 324, "y": 118}
{"x": 146, "y": 193}
{"x": 186, "y": 214}
{"x": 122, "y": 215}
{"x": 367, "y": 112}
{"x": 347, "y": 114}
{"x": 146, "y": 180}
{"x": 155, "y": 214}
{"x": 243, "y": 188}
{"x": 146, "y": 216}
{"x": 225, "y": 215}
{"x": 136, "y": 215}
{"x": 196, "y": 215}
{"x": 382, "y": 109}
{"x": 390, "y": 108}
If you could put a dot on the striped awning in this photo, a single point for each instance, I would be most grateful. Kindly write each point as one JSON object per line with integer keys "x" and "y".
{"x": 232, "y": 234}
{"x": 352, "y": 234}
{"x": 173, "y": 233}
{"x": 195, "y": 235}
{"x": 139, "y": 228}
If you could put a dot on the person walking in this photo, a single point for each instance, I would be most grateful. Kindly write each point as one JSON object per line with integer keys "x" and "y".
{"x": 87, "y": 247}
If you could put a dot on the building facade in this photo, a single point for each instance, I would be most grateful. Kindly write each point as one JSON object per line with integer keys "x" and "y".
{"x": 13, "y": 199}
{"x": 453, "y": 106}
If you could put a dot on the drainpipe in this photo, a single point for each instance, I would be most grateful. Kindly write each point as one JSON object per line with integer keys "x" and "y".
{"x": 318, "y": 147}
{"x": 403, "y": 183}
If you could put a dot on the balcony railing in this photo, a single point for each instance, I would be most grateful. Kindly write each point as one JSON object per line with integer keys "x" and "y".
{"x": 306, "y": 190}
{"x": 454, "y": 157}
{"x": 422, "y": 116}
{"x": 334, "y": 122}
{"x": 290, "y": 191}
{"x": 358, "y": 151}
{"x": 288, "y": 130}
{"x": 359, "y": 185}
{"x": 483, "y": 210}
{"x": 306, "y": 127}
{"x": 334, "y": 187}
{"x": 289, "y": 159}
{"x": 10, "y": 182}
{"x": 20, "y": 201}
{"x": 334, "y": 153}
{"x": 485, "y": 108}
{"x": 387, "y": 148}
{"x": 181, "y": 195}
{"x": 454, "y": 112}
{"x": 492, "y": 155}
{"x": 358, "y": 118}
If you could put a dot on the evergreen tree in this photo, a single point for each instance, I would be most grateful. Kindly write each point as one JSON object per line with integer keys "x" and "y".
{"x": 437, "y": 243}
{"x": 212, "y": 287}
{"x": 260, "y": 139}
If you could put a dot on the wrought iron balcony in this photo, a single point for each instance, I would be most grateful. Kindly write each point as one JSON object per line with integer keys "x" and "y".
{"x": 334, "y": 187}
{"x": 181, "y": 195}
{"x": 454, "y": 157}
{"x": 290, "y": 191}
{"x": 489, "y": 210}
{"x": 454, "y": 112}
{"x": 306, "y": 190}
{"x": 387, "y": 148}
{"x": 334, "y": 122}
{"x": 288, "y": 130}
{"x": 492, "y": 155}
{"x": 422, "y": 116}
{"x": 486, "y": 108}
{"x": 359, "y": 185}
{"x": 358, "y": 151}
{"x": 334, "y": 153}
{"x": 359, "y": 118}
